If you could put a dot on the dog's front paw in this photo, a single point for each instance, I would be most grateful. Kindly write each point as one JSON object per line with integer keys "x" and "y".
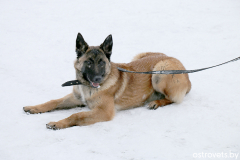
{"x": 55, "y": 125}
{"x": 31, "y": 109}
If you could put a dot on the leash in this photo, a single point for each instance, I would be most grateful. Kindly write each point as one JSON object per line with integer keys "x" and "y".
{"x": 77, "y": 82}
{"x": 177, "y": 71}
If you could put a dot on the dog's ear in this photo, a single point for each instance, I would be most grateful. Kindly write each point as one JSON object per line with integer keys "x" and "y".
{"x": 107, "y": 45}
{"x": 81, "y": 45}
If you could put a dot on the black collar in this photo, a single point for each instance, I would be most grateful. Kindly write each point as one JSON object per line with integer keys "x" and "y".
{"x": 70, "y": 83}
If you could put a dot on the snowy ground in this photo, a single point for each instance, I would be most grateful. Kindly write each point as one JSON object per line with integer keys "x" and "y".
{"x": 37, "y": 42}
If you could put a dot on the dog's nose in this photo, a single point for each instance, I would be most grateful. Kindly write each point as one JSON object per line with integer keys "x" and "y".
{"x": 97, "y": 79}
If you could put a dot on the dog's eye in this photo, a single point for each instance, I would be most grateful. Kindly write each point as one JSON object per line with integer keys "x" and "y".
{"x": 89, "y": 64}
{"x": 101, "y": 63}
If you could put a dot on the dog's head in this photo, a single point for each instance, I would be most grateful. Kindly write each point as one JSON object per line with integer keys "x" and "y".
{"x": 93, "y": 62}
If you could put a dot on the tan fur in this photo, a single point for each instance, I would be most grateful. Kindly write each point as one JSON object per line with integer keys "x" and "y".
{"x": 121, "y": 90}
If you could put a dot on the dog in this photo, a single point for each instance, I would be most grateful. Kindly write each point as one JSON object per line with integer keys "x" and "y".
{"x": 106, "y": 90}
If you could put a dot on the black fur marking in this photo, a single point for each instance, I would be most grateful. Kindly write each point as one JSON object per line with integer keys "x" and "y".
{"x": 107, "y": 45}
{"x": 155, "y": 96}
{"x": 81, "y": 45}
{"x": 79, "y": 53}
{"x": 95, "y": 52}
{"x": 156, "y": 79}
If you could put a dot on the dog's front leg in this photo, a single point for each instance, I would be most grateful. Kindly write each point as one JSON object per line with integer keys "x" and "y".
{"x": 103, "y": 112}
{"x": 67, "y": 101}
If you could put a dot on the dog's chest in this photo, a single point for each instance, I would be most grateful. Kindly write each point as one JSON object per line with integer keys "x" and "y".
{"x": 86, "y": 94}
{"x": 80, "y": 90}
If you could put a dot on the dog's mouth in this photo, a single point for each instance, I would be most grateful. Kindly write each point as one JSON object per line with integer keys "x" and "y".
{"x": 93, "y": 84}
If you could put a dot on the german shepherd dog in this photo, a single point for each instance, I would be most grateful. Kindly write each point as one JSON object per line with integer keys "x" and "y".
{"x": 105, "y": 89}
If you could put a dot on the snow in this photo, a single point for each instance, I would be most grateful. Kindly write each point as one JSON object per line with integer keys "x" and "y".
{"x": 37, "y": 53}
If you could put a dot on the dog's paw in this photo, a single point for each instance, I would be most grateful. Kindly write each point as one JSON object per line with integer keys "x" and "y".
{"x": 31, "y": 110}
{"x": 54, "y": 126}
{"x": 159, "y": 103}
{"x": 153, "y": 105}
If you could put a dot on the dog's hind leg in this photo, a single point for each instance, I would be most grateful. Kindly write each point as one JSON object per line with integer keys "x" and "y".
{"x": 65, "y": 102}
{"x": 174, "y": 87}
